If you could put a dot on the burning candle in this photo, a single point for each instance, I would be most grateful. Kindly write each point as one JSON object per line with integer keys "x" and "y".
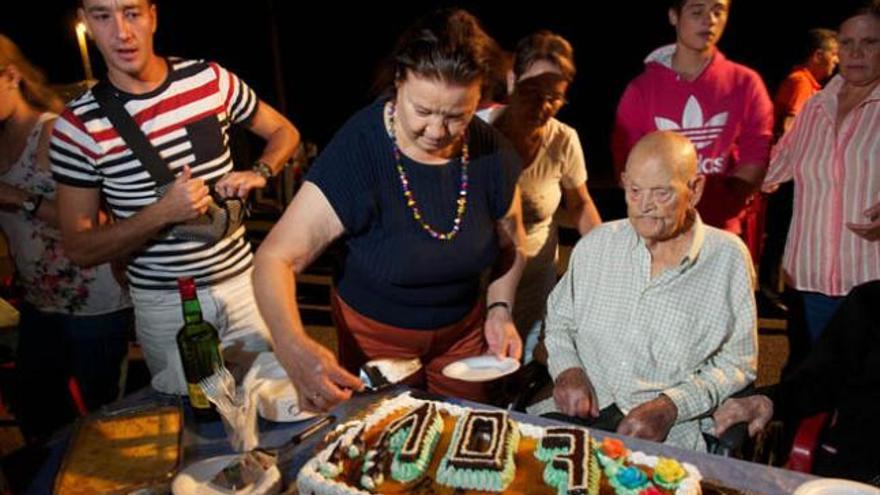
{"x": 84, "y": 49}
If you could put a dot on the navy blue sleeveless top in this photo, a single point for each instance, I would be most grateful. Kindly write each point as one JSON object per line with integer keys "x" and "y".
{"x": 395, "y": 272}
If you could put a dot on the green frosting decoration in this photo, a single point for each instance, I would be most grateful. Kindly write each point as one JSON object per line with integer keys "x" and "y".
{"x": 565, "y": 451}
{"x": 353, "y": 451}
{"x": 329, "y": 470}
{"x": 488, "y": 479}
{"x": 406, "y": 472}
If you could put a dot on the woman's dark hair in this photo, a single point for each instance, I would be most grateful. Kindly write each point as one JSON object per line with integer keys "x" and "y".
{"x": 495, "y": 86}
{"x": 864, "y": 7}
{"x": 677, "y": 5}
{"x": 544, "y": 45}
{"x": 447, "y": 45}
{"x": 79, "y": 3}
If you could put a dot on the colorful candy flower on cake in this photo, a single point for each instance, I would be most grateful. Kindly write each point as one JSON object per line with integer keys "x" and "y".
{"x": 613, "y": 448}
{"x": 629, "y": 480}
{"x": 668, "y": 473}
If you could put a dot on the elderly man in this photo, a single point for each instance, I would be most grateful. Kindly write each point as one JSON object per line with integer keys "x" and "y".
{"x": 656, "y": 314}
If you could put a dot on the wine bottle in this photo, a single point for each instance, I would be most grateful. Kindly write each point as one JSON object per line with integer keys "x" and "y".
{"x": 199, "y": 346}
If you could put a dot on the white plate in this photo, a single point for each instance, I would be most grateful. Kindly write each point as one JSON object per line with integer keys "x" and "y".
{"x": 193, "y": 480}
{"x": 481, "y": 368}
{"x": 833, "y": 486}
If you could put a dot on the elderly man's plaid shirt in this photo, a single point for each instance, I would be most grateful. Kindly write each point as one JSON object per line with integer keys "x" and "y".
{"x": 689, "y": 333}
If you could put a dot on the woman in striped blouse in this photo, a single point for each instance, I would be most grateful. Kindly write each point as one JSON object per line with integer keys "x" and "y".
{"x": 833, "y": 155}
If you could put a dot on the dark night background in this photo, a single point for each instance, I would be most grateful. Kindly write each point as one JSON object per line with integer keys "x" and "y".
{"x": 330, "y": 50}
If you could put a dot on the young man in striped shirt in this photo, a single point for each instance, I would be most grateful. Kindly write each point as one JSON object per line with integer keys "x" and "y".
{"x": 185, "y": 108}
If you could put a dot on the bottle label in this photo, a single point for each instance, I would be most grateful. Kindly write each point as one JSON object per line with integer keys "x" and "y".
{"x": 197, "y": 396}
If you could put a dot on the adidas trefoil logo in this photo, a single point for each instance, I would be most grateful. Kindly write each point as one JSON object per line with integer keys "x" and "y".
{"x": 702, "y": 133}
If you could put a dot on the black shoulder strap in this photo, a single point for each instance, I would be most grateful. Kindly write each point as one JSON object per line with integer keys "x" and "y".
{"x": 133, "y": 136}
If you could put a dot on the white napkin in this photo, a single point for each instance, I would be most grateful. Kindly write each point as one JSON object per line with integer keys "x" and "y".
{"x": 241, "y": 421}
{"x": 277, "y": 399}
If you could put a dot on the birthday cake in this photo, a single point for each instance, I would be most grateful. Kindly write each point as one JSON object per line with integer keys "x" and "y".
{"x": 408, "y": 445}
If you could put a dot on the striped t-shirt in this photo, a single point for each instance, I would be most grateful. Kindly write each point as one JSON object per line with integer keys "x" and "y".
{"x": 187, "y": 119}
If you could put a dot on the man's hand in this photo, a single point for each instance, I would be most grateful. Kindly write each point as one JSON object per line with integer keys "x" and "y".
{"x": 651, "y": 420}
{"x": 756, "y": 410}
{"x": 870, "y": 230}
{"x": 186, "y": 199}
{"x": 239, "y": 184}
{"x": 501, "y": 334}
{"x": 319, "y": 379}
{"x": 574, "y": 394}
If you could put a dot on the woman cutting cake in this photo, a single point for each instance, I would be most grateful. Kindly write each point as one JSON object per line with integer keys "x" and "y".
{"x": 425, "y": 198}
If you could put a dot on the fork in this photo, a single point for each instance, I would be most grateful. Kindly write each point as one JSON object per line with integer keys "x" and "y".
{"x": 217, "y": 389}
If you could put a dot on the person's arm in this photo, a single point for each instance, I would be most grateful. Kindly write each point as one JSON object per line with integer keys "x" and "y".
{"x": 734, "y": 365}
{"x": 790, "y": 99}
{"x": 48, "y": 208}
{"x": 307, "y": 227}
{"x": 755, "y": 410}
{"x": 818, "y": 383}
{"x": 735, "y": 188}
{"x": 578, "y": 203}
{"x": 88, "y": 242}
{"x": 753, "y": 144}
{"x": 282, "y": 139}
{"x": 581, "y": 209}
{"x": 746, "y": 179}
{"x": 13, "y": 198}
{"x": 838, "y": 357}
{"x": 500, "y": 331}
{"x": 650, "y": 420}
{"x": 573, "y": 392}
{"x": 560, "y": 330}
{"x": 781, "y": 164}
{"x": 787, "y": 122}
{"x": 781, "y": 168}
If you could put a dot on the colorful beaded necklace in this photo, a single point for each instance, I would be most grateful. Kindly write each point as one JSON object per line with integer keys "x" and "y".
{"x": 408, "y": 194}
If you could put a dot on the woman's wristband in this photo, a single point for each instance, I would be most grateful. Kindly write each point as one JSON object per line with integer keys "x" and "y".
{"x": 498, "y": 304}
